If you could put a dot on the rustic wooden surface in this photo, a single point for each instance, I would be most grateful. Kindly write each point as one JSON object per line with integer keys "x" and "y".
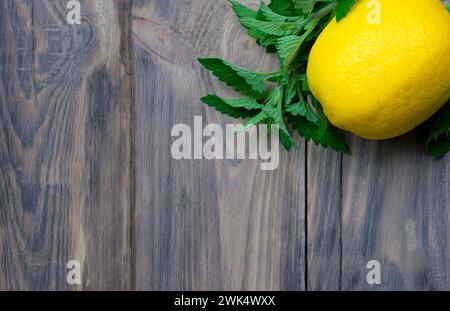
{"x": 86, "y": 173}
{"x": 65, "y": 145}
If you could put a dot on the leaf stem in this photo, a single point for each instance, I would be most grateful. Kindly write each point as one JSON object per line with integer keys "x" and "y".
{"x": 324, "y": 11}
{"x": 268, "y": 74}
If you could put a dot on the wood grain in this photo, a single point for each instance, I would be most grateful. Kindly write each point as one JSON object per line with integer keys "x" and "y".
{"x": 203, "y": 224}
{"x": 64, "y": 146}
{"x": 323, "y": 218}
{"x": 396, "y": 210}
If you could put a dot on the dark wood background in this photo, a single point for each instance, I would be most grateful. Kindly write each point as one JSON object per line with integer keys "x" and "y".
{"x": 86, "y": 172}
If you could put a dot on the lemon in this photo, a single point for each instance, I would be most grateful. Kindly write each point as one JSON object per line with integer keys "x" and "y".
{"x": 384, "y": 68}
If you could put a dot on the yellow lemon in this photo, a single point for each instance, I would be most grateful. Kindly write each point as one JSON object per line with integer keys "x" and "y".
{"x": 384, "y": 68}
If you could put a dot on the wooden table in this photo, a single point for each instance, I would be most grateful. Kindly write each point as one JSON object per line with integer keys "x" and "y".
{"x": 86, "y": 113}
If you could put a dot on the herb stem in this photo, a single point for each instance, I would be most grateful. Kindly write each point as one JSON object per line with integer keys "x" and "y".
{"x": 268, "y": 74}
{"x": 324, "y": 11}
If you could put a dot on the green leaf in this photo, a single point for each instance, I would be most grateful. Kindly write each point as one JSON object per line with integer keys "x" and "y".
{"x": 304, "y": 81}
{"x": 247, "y": 103}
{"x": 262, "y": 38}
{"x": 288, "y": 47}
{"x": 236, "y": 108}
{"x": 342, "y": 8}
{"x": 317, "y": 129}
{"x": 242, "y": 11}
{"x": 272, "y": 28}
{"x": 333, "y": 138}
{"x": 257, "y": 119}
{"x": 283, "y": 7}
{"x": 242, "y": 80}
{"x": 272, "y": 16}
{"x": 303, "y": 127}
{"x": 324, "y": 136}
{"x": 305, "y": 6}
{"x": 289, "y": 93}
{"x": 279, "y": 79}
{"x": 302, "y": 109}
{"x": 438, "y": 142}
{"x": 274, "y": 109}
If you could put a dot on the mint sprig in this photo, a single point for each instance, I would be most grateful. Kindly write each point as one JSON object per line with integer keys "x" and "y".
{"x": 289, "y": 28}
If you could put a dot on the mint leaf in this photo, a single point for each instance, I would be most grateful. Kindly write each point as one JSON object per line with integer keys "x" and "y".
{"x": 316, "y": 128}
{"x": 283, "y": 7}
{"x": 289, "y": 93}
{"x": 242, "y": 11}
{"x": 342, "y": 8}
{"x": 302, "y": 109}
{"x": 305, "y": 6}
{"x": 247, "y": 103}
{"x": 274, "y": 109}
{"x": 242, "y": 80}
{"x": 257, "y": 119}
{"x": 326, "y": 137}
{"x": 272, "y": 28}
{"x": 236, "y": 108}
{"x": 333, "y": 138}
{"x": 263, "y": 39}
{"x": 438, "y": 142}
{"x": 288, "y": 47}
{"x": 272, "y": 16}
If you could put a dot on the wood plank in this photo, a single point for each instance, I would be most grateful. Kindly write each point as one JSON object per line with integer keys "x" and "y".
{"x": 202, "y": 224}
{"x": 396, "y": 209}
{"x": 323, "y": 218}
{"x": 64, "y": 145}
